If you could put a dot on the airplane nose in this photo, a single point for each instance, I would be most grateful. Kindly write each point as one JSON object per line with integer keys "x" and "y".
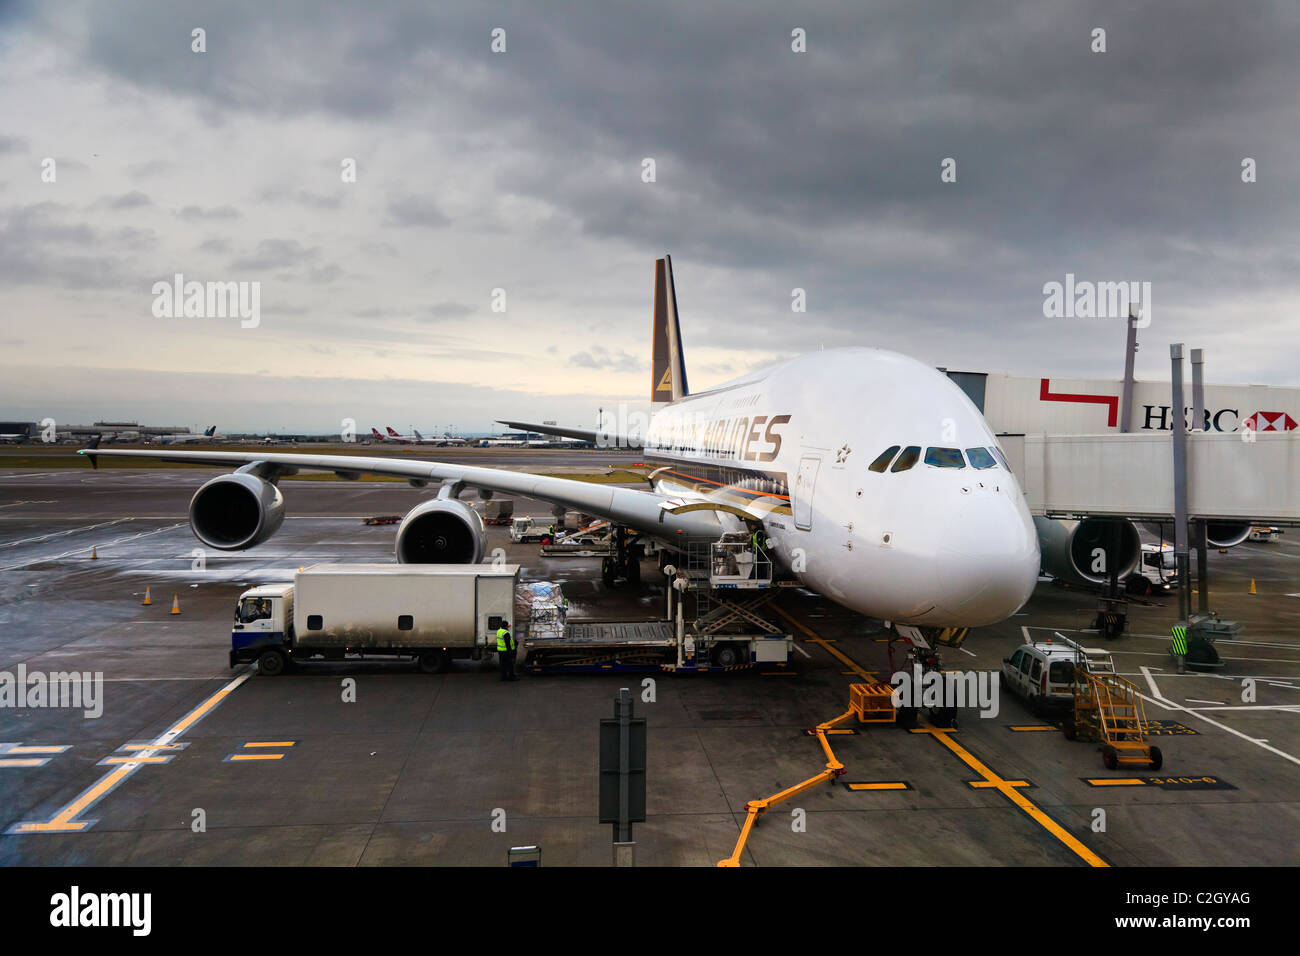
{"x": 988, "y": 563}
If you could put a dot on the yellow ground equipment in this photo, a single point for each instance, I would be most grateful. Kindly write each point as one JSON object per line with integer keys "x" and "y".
{"x": 1108, "y": 709}
{"x": 871, "y": 704}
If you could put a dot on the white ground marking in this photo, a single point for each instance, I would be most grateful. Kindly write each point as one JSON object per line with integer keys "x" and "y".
{"x": 1155, "y": 698}
{"x": 802, "y": 651}
{"x": 59, "y": 534}
{"x": 55, "y": 557}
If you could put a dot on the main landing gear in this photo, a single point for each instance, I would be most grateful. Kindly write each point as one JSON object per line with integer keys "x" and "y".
{"x": 624, "y": 563}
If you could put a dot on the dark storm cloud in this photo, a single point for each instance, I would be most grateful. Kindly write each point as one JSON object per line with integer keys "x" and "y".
{"x": 598, "y": 357}
{"x": 199, "y": 214}
{"x": 774, "y": 170}
{"x": 276, "y": 254}
{"x": 131, "y": 200}
{"x": 416, "y": 211}
{"x": 451, "y": 310}
{"x": 41, "y": 245}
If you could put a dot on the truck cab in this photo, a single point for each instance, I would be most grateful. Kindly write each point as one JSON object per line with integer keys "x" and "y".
{"x": 263, "y": 618}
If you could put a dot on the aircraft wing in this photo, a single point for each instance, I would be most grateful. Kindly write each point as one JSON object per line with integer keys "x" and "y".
{"x": 603, "y": 439}
{"x": 644, "y": 510}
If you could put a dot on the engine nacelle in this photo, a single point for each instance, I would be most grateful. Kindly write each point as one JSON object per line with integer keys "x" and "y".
{"x": 1227, "y": 534}
{"x": 238, "y": 511}
{"x": 1070, "y": 548}
{"x": 1218, "y": 534}
{"x": 441, "y": 531}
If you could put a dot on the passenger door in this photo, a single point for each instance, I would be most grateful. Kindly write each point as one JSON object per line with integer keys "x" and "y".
{"x": 801, "y": 496}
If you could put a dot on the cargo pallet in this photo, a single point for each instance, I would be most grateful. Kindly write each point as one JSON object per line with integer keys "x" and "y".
{"x": 597, "y": 647}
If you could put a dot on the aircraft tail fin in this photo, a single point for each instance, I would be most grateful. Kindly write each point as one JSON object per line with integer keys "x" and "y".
{"x": 668, "y": 370}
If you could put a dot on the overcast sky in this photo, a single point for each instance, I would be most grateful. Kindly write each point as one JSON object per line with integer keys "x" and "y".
{"x": 523, "y": 171}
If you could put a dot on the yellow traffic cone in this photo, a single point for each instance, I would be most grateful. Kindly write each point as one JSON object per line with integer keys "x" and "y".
{"x": 1252, "y": 585}
{"x": 147, "y": 599}
{"x": 93, "y": 555}
{"x": 176, "y": 604}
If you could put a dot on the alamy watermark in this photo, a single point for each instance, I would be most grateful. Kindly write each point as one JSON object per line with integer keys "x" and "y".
{"x": 208, "y": 300}
{"x": 1084, "y": 299}
{"x": 79, "y": 690}
{"x": 921, "y": 688}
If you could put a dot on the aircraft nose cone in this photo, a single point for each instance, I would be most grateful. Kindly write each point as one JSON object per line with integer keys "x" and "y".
{"x": 988, "y": 562}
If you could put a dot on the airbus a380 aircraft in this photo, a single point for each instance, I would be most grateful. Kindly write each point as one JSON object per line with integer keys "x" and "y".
{"x": 876, "y": 481}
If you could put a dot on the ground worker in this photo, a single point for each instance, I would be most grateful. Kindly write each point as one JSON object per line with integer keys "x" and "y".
{"x": 506, "y": 648}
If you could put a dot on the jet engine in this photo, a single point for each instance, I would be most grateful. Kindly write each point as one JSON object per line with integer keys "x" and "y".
{"x": 1218, "y": 534}
{"x": 1088, "y": 550}
{"x": 441, "y": 531}
{"x": 238, "y": 511}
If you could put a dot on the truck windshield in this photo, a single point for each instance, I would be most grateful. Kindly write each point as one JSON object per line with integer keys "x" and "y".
{"x": 253, "y": 609}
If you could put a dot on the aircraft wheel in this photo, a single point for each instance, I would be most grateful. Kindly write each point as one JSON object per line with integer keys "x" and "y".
{"x": 1157, "y": 758}
{"x": 608, "y": 571}
{"x": 633, "y": 570}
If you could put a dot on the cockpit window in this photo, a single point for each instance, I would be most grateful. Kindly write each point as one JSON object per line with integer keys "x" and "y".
{"x": 908, "y": 458}
{"x": 1002, "y": 459}
{"x": 980, "y": 458}
{"x": 944, "y": 458}
{"x": 882, "y": 462}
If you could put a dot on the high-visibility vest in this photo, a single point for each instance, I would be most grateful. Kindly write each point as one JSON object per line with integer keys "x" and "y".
{"x": 504, "y": 640}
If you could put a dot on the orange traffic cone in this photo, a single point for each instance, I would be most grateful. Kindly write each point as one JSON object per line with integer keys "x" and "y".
{"x": 93, "y": 555}
{"x": 147, "y": 599}
{"x": 1252, "y": 585}
{"x": 176, "y": 604}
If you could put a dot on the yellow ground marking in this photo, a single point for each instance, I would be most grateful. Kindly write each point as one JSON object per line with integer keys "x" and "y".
{"x": 36, "y": 750}
{"x": 255, "y": 757}
{"x": 1009, "y": 790}
{"x": 113, "y": 761}
{"x": 812, "y": 638}
{"x": 152, "y": 747}
{"x": 23, "y": 762}
{"x": 898, "y": 785}
{"x": 1118, "y": 782}
{"x": 65, "y": 820}
{"x": 270, "y": 743}
{"x": 1029, "y": 727}
{"x": 985, "y": 784}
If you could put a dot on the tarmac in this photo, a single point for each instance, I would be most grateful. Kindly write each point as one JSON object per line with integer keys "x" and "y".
{"x": 193, "y": 763}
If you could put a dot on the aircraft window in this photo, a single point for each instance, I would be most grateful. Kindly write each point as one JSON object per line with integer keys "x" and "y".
{"x": 980, "y": 458}
{"x": 908, "y": 458}
{"x": 1002, "y": 460}
{"x": 944, "y": 458}
{"x": 885, "y": 457}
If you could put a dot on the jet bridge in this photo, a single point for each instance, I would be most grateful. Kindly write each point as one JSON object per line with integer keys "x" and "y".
{"x": 1230, "y": 477}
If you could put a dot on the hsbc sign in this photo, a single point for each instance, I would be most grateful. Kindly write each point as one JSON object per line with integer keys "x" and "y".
{"x": 1223, "y": 420}
{"x": 1082, "y": 406}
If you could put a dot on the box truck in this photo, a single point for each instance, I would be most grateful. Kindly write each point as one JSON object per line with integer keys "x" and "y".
{"x": 433, "y": 613}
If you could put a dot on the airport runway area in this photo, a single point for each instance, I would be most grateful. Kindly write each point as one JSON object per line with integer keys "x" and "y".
{"x": 286, "y": 771}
